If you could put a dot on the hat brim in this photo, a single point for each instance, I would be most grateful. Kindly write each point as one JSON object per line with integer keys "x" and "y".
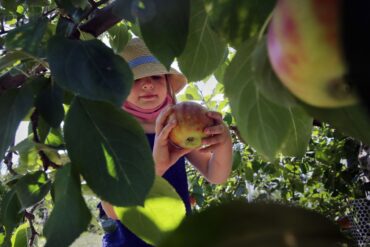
{"x": 175, "y": 78}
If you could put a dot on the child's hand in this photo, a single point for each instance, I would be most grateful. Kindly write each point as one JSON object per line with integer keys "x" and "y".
{"x": 217, "y": 135}
{"x": 165, "y": 154}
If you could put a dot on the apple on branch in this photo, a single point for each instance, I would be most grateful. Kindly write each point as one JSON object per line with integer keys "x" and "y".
{"x": 191, "y": 121}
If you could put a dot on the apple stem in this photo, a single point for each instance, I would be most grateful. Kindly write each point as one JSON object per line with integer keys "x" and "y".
{"x": 264, "y": 26}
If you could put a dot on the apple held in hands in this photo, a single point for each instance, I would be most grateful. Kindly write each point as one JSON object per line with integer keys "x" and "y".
{"x": 304, "y": 48}
{"x": 191, "y": 121}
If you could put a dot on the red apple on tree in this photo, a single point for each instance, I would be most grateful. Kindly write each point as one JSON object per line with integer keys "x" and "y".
{"x": 191, "y": 120}
{"x": 304, "y": 48}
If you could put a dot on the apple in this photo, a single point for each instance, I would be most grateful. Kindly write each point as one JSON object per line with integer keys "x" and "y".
{"x": 304, "y": 48}
{"x": 191, "y": 121}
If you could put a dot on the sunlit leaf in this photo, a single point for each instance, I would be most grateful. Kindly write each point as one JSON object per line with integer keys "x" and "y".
{"x": 267, "y": 127}
{"x": 32, "y": 188}
{"x": 70, "y": 215}
{"x": 118, "y": 37}
{"x": 21, "y": 235}
{"x": 162, "y": 212}
{"x": 204, "y": 49}
{"x": 299, "y": 134}
{"x": 266, "y": 80}
{"x": 10, "y": 59}
{"x": 29, "y": 159}
{"x": 110, "y": 150}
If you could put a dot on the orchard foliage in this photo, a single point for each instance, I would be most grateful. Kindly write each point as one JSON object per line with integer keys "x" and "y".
{"x": 61, "y": 71}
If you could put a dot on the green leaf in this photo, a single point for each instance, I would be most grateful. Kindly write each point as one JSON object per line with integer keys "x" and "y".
{"x": 10, "y": 59}
{"x": 238, "y": 20}
{"x": 10, "y": 215}
{"x": 11, "y": 4}
{"x": 258, "y": 224}
{"x": 2, "y": 238}
{"x": 168, "y": 20}
{"x": 68, "y": 6}
{"x": 299, "y": 134}
{"x": 70, "y": 216}
{"x": 162, "y": 212}
{"x": 31, "y": 38}
{"x": 118, "y": 37}
{"x": 29, "y": 159}
{"x": 266, "y": 80}
{"x": 49, "y": 103}
{"x": 193, "y": 90}
{"x": 110, "y": 150}
{"x": 14, "y": 105}
{"x": 55, "y": 138}
{"x": 39, "y": 3}
{"x": 298, "y": 185}
{"x": 268, "y": 127}
{"x": 65, "y": 27}
{"x": 89, "y": 69}
{"x": 32, "y": 188}
{"x": 43, "y": 128}
{"x": 220, "y": 71}
{"x": 38, "y": 83}
{"x": 204, "y": 50}
{"x": 21, "y": 235}
{"x": 123, "y": 9}
{"x": 352, "y": 120}
{"x": 80, "y": 3}
{"x": 237, "y": 160}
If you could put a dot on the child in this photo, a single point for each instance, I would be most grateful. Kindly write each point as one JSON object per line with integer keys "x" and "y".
{"x": 149, "y": 102}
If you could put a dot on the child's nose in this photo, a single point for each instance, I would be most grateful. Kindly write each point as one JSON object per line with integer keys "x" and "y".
{"x": 147, "y": 84}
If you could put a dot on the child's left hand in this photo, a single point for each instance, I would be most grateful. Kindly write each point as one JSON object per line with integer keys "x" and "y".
{"x": 218, "y": 134}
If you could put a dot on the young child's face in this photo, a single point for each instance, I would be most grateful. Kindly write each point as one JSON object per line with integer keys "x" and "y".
{"x": 148, "y": 92}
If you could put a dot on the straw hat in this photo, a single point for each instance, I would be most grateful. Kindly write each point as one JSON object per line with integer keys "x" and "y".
{"x": 143, "y": 64}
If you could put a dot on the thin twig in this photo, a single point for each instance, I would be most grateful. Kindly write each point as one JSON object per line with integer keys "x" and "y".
{"x": 8, "y": 160}
{"x": 30, "y": 217}
{"x": 49, "y": 12}
{"x": 237, "y": 133}
{"x": 93, "y": 3}
{"x": 2, "y": 26}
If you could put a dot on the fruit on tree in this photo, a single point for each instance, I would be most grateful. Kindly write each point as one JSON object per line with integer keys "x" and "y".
{"x": 191, "y": 121}
{"x": 304, "y": 48}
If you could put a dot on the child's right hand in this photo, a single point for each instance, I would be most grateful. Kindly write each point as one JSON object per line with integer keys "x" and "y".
{"x": 164, "y": 153}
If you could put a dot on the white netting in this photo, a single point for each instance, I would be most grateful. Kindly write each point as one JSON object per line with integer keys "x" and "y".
{"x": 360, "y": 219}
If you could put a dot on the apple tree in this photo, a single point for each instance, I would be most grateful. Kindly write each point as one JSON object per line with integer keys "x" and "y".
{"x": 62, "y": 73}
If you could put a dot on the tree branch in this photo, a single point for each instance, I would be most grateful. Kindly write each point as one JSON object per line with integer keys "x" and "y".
{"x": 30, "y": 217}
{"x": 237, "y": 133}
{"x": 102, "y": 20}
{"x": 8, "y": 160}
